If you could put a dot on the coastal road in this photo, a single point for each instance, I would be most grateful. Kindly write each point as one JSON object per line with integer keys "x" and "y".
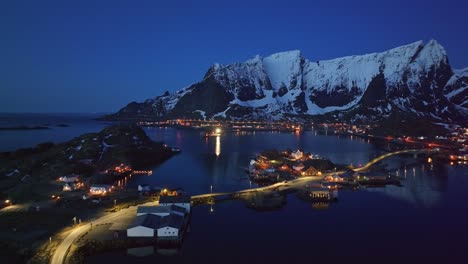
{"x": 62, "y": 249}
{"x": 372, "y": 162}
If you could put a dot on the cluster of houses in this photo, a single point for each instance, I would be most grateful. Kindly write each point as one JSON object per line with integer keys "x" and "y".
{"x": 121, "y": 169}
{"x": 274, "y": 165}
{"x": 165, "y": 222}
{"x": 71, "y": 182}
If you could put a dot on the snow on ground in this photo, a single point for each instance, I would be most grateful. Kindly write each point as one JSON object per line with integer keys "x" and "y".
{"x": 455, "y": 92}
{"x": 12, "y": 173}
{"x": 106, "y": 145}
{"x": 446, "y": 126}
{"x": 202, "y": 113}
{"x": 283, "y": 67}
{"x": 223, "y": 113}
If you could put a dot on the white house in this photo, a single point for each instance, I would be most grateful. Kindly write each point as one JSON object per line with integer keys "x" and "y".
{"x": 169, "y": 226}
{"x": 252, "y": 165}
{"x": 297, "y": 155}
{"x": 180, "y": 200}
{"x": 144, "y": 188}
{"x": 143, "y": 226}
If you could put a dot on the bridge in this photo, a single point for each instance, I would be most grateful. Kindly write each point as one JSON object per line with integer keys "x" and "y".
{"x": 279, "y": 186}
{"x": 372, "y": 162}
{"x": 297, "y": 183}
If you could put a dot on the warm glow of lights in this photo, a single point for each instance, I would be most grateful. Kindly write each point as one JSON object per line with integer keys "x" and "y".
{"x": 218, "y": 130}
{"x": 319, "y": 173}
{"x": 218, "y": 146}
{"x": 429, "y": 160}
{"x": 7, "y": 201}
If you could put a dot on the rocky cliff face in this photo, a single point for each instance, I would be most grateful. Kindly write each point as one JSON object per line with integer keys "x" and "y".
{"x": 414, "y": 79}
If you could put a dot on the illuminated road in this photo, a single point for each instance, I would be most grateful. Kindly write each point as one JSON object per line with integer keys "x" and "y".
{"x": 62, "y": 249}
{"x": 280, "y": 186}
{"x": 372, "y": 162}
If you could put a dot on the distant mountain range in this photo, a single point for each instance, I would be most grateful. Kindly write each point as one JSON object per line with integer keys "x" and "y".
{"x": 409, "y": 82}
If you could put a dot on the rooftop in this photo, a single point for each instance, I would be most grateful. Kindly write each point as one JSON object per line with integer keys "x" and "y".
{"x": 174, "y": 199}
{"x": 148, "y": 220}
{"x": 159, "y": 209}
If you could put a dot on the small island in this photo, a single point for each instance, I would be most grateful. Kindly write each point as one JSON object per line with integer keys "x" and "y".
{"x": 23, "y": 128}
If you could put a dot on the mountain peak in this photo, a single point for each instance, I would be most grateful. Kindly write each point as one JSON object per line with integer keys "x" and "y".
{"x": 291, "y": 54}
{"x": 432, "y": 53}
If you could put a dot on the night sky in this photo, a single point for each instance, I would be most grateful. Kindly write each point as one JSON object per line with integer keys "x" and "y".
{"x": 82, "y": 56}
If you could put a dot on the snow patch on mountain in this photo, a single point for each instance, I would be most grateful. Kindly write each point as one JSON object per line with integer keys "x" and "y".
{"x": 284, "y": 69}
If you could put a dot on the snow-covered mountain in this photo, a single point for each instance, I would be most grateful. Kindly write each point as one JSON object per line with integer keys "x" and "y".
{"x": 412, "y": 80}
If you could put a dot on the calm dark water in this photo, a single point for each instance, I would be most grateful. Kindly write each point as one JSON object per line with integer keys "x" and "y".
{"x": 425, "y": 221}
{"x": 77, "y": 124}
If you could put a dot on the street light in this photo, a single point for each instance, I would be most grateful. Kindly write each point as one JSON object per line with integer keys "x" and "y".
{"x": 74, "y": 220}
{"x": 211, "y": 188}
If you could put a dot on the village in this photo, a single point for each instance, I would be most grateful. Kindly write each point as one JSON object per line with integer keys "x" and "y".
{"x": 452, "y": 138}
{"x": 273, "y": 166}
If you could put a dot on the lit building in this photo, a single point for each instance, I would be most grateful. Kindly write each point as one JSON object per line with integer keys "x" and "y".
{"x": 99, "y": 189}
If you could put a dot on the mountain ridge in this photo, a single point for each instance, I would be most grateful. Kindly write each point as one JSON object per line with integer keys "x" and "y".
{"x": 415, "y": 79}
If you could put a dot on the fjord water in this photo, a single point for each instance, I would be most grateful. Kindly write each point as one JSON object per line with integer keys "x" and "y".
{"x": 75, "y": 125}
{"x": 424, "y": 220}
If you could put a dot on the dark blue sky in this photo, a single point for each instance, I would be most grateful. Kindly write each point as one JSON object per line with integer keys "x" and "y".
{"x": 83, "y": 56}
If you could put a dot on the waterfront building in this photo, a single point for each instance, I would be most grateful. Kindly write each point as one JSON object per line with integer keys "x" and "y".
{"x": 169, "y": 226}
{"x": 161, "y": 210}
{"x": 162, "y": 222}
{"x": 180, "y": 200}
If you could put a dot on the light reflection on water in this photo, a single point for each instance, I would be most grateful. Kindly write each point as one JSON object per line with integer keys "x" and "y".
{"x": 218, "y": 146}
{"x": 431, "y": 200}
